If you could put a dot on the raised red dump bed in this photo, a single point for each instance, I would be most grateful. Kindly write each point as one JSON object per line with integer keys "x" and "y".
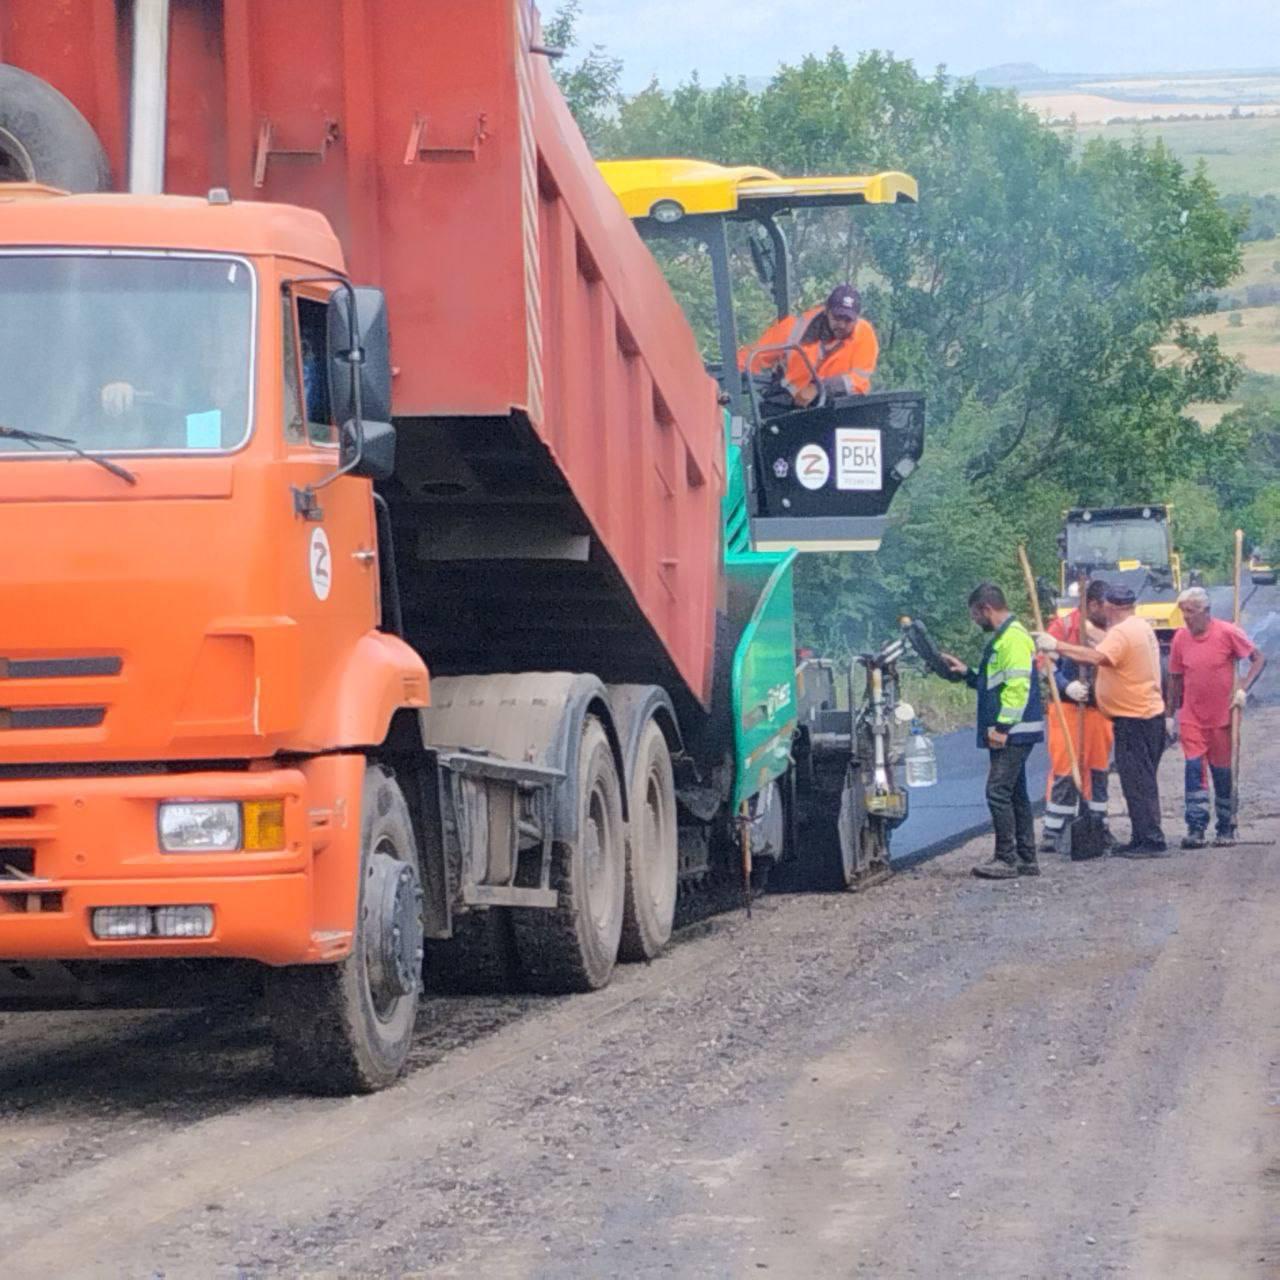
{"x": 560, "y": 442}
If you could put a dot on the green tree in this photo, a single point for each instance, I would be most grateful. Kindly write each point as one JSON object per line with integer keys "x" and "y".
{"x": 590, "y": 85}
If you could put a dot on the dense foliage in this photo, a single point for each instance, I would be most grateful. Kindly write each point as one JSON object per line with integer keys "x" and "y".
{"x": 1040, "y": 295}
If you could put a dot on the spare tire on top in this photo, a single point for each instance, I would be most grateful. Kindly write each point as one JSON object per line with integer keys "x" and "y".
{"x": 43, "y": 138}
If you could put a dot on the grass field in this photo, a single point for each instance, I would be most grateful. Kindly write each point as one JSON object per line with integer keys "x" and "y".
{"x": 1256, "y": 339}
{"x": 1242, "y": 157}
{"x": 1261, "y": 259}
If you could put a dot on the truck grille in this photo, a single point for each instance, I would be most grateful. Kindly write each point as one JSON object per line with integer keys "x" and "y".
{"x": 51, "y": 717}
{"x": 57, "y": 668}
{"x": 60, "y": 716}
{"x": 17, "y": 863}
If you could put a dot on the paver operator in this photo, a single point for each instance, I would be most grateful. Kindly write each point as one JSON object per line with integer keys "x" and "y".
{"x": 839, "y": 341}
{"x": 1128, "y": 690}
{"x": 1091, "y": 731}
{"x": 1010, "y": 723}
{"x": 1202, "y": 694}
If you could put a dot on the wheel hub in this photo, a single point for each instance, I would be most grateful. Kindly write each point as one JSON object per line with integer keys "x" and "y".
{"x": 394, "y": 935}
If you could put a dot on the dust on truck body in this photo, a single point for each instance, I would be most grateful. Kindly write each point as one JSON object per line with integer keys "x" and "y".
{"x": 379, "y": 618}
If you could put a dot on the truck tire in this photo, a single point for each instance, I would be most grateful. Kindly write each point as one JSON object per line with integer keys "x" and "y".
{"x": 574, "y": 946}
{"x": 347, "y": 1027}
{"x": 43, "y": 138}
{"x": 480, "y": 957}
{"x": 649, "y": 905}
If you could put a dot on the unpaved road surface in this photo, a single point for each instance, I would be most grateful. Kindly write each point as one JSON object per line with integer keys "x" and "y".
{"x": 1074, "y": 1076}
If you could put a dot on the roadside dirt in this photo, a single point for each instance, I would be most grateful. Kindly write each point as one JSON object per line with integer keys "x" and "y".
{"x": 1075, "y": 1076}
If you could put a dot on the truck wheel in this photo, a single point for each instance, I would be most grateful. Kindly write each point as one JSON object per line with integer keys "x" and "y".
{"x": 43, "y": 138}
{"x": 479, "y": 959}
{"x": 347, "y": 1027}
{"x": 573, "y": 946}
{"x": 652, "y": 856}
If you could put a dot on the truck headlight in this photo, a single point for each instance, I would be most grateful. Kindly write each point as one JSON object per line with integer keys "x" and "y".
{"x": 210, "y": 826}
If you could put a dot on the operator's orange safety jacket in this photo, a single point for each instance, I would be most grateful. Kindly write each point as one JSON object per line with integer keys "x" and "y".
{"x": 845, "y": 365}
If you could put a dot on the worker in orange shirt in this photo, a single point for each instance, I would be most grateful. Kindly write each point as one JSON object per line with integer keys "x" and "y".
{"x": 839, "y": 342}
{"x": 1092, "y": 739}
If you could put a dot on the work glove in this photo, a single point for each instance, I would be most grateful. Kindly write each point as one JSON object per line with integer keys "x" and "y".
{"x": 1238, "y": 699}
{"x": 1046, "y": 643}
{"x": 1077, "y": 691}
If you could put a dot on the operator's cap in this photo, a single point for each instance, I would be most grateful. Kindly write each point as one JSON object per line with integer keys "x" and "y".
{"x": 1120, "y": 595}
{"x": 845, "y": 301}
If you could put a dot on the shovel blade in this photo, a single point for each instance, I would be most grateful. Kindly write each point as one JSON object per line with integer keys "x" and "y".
{"x": 1086, "y": 837}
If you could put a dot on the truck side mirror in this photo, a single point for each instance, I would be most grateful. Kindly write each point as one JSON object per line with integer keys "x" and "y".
{"x": 374, "y": 364}
{"x": 377, "y": 457}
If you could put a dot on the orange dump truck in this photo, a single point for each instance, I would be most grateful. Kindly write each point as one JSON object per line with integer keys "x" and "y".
{"x": 344, "y": 623}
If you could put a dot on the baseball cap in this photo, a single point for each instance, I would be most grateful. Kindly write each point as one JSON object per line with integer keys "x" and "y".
{"x": 845, "y": 301}
{"x": 1120, "y": 595}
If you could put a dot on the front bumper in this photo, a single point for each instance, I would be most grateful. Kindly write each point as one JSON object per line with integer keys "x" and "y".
{"x": 81, "y": 843}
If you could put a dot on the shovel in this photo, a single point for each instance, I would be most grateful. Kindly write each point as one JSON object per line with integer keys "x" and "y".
{"x": 1086, "y": 833}
{"x": 1235, "y": 685}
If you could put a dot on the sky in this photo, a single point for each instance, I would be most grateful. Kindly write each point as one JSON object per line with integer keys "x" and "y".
{"x": 671, "y": 38}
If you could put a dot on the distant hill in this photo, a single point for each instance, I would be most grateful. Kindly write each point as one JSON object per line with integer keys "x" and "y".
{"x": 1025, "y": 75}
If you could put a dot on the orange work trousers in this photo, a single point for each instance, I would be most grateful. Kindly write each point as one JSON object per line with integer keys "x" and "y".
{"x": 1093, "y": 752}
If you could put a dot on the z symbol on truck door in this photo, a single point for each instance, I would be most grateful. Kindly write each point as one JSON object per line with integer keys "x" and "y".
{"x": 321, "y": 564}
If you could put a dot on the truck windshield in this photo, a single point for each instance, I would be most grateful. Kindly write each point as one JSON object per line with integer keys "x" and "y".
{"x": 1107, "y": 542}
{"x": 126, "y": 352}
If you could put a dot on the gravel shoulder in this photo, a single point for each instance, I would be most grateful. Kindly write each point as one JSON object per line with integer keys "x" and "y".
{"x": 1068, "y": 1077}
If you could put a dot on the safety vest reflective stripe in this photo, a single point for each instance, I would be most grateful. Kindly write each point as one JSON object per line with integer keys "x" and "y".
{"x": 1059, "y": 808}
{"x": 1025, "y": 726}
{"x": 997, "y": 678}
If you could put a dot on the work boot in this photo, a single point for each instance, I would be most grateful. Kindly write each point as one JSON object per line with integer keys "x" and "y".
{"x": 995, "y": 869}
{"x": 1194, "y": 840}
{"x": 1028, "y": 868}
{"x": 1142, "y": 849}
{"x": 1224, "y": 839}
{"x": 1048, "y": 843}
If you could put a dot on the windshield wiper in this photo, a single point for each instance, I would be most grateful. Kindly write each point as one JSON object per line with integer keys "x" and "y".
{"x": 38, "y": 437}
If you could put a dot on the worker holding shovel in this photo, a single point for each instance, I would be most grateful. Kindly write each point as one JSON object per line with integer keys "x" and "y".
{"x": 1204, "y": 694}
{"x": 1085, "y": 723}
{"x": 1128, "y": 688}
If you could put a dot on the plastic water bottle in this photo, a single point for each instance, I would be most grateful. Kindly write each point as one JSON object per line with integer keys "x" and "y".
{"x": 921, "y": 760}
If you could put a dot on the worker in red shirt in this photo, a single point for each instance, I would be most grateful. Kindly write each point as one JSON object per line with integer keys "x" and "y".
{"x": 1093, "y": 740}
{"x": 839, "y": 342}
{"x": 1202, "y": 693}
